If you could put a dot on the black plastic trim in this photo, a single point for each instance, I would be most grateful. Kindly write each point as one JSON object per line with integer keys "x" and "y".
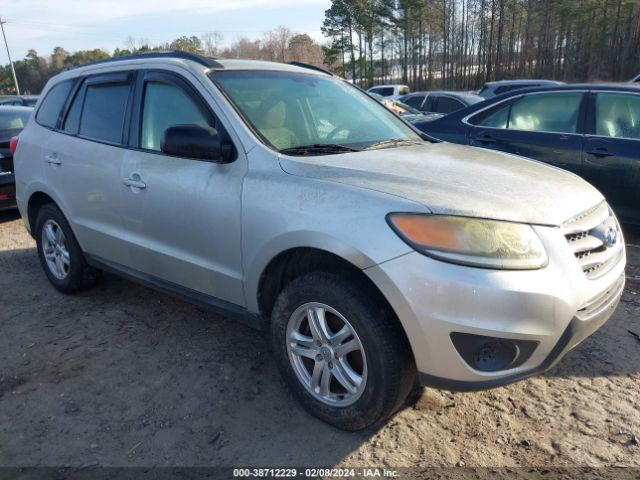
{"x": 576, "y": 331}
{"x": 229, "y": 309}
{"x": 179, "y": 54}
{"x": 312, "y": 67}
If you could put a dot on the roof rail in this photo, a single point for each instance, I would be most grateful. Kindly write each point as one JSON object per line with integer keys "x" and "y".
{"x": 311, "y": 67}
{"x": 201, "y": 59}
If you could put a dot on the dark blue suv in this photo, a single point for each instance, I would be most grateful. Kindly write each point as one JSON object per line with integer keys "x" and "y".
{"x": 591, "y": 130}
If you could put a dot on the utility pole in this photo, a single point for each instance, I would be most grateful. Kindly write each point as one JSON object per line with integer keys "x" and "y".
{"x": 15, "y": 80}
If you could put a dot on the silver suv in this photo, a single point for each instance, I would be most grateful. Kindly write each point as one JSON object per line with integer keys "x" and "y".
{"x": 293, "y": 201}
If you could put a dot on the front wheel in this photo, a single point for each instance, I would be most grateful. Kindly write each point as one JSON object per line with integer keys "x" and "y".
{"x": 341, "y": 351}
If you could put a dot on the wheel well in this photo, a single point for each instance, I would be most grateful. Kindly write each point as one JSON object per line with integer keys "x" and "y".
{"x": 294, "y": 263}
{"x": 36, "y": 202}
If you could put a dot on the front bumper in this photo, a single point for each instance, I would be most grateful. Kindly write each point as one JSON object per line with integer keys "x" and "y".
{"x": 556, "y": 307}
{"x": 7, "y": 191}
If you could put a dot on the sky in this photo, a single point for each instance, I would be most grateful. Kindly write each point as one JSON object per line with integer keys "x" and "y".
{"x": 87, "y": 24}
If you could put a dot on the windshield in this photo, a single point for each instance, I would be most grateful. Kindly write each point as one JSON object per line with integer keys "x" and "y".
{"x": 291, "y": 110}
{"x": 14, "y": 120}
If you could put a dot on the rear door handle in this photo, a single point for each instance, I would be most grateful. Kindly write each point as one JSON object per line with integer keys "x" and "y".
{"x": 52, "y": 158}
{"x": 600, "y": 152}
{"x": 133, "y": 183}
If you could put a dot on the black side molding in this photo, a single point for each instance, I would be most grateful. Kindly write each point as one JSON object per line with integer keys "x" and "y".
{"x": 217, "y": 305}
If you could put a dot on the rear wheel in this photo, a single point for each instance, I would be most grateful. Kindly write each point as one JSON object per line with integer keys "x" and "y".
{"x": 60, "y": 255}
{"x": 341, "y": 351}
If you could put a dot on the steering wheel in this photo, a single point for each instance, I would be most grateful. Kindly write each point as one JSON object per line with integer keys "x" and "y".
{"x": 337, "y": 129}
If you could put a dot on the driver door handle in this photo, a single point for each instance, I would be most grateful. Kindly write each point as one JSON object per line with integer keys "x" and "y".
{"x": 133, "y": 183}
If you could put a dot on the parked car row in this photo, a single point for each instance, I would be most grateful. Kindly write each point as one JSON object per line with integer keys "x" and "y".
{"x": 283, "y": 196}
{"x": 591, "y": 130}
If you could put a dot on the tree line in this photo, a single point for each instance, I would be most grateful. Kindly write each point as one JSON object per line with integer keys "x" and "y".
{"x": 452, "y": 44}
{"x": 279, "y": 44}
{"x": 460, "y": 44}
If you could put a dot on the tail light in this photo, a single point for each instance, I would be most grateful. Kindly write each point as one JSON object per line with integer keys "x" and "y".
{"x": 13, "y": 144}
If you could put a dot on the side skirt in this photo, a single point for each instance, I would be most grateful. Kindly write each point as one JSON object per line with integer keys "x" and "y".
{"x": 217, "y": 305}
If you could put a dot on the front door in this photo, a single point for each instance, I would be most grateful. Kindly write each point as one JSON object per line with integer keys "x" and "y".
{"x": 542, "y": 126}
{"x": 183, "y": 215}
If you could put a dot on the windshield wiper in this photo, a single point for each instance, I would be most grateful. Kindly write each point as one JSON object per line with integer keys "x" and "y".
{"x": 392, "y": 142}
{"x": 318, "y": 149}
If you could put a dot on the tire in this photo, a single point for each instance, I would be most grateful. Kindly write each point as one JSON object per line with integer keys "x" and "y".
{"x": 381, "y": 356}
{"x": 64, "y": 263}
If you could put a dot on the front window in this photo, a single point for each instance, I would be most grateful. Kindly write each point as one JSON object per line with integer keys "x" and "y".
{"x": 554, "y": 112}
{"x": 293, "y": 110}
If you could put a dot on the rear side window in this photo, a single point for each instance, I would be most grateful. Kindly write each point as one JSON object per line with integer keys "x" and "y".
{"x": 415, "y": 101}
{"x": 403, "y": 91}
{"x": 105, "y": 105}
{"x": 618, "y": 115}
{"x": 448, "y": 105}
{"x": 386, "y": 92}
{"x": 49, "y": 111}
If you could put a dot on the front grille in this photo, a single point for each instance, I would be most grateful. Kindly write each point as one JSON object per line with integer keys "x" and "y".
{"x": 595, "y": 239}
{"x": 602, "y": 301}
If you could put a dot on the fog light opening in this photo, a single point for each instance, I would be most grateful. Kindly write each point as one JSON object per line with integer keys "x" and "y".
{"x": 495, "y": 355}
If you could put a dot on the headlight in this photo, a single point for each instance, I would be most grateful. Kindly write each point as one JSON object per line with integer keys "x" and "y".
{"x": 471, "y": 241}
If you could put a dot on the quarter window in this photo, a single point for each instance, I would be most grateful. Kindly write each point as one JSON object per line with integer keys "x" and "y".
{"x": 104, "y": 110}
{"x": 618, "y": 115}
{"x": 166, "y": 105}
{"x": 49, "y": 111}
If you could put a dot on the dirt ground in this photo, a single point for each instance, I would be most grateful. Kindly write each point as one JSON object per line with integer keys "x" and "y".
{"x": 125, "y": 376}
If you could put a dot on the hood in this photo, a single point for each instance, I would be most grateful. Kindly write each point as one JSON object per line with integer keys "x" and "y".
{"x": 458, "y": 180}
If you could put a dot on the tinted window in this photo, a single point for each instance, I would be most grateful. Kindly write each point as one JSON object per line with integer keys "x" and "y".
{"x": 384, "y": 91}
{"x": 166, "y": 105}
{"x": 11, "y": 120}
{"x": 415, "y": 101}
{"x": 49, "y": 111}
{"x": 103, "y": 112}
{"x": 72, "y": 122}
{"x": 448, "y": 105}
{"x": 618, "y": 115}
{"x": 498, "y": 119}
{"x": 556, "y": 112}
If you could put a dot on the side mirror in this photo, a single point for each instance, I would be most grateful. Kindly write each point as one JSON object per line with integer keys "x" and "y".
{"x": 197, "y": 142}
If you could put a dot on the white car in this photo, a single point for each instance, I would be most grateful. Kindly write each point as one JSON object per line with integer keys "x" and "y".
{"x": 390, "y": 91}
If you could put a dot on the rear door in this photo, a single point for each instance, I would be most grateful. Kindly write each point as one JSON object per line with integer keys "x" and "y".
{"x": 182, "y": 215}
{"x": 543, "y": 126}
{"x": 611, "y": 160}
{"x": 82, "y": 158}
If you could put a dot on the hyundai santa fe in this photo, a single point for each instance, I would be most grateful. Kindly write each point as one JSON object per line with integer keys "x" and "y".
{"x": 291, "y": 200}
